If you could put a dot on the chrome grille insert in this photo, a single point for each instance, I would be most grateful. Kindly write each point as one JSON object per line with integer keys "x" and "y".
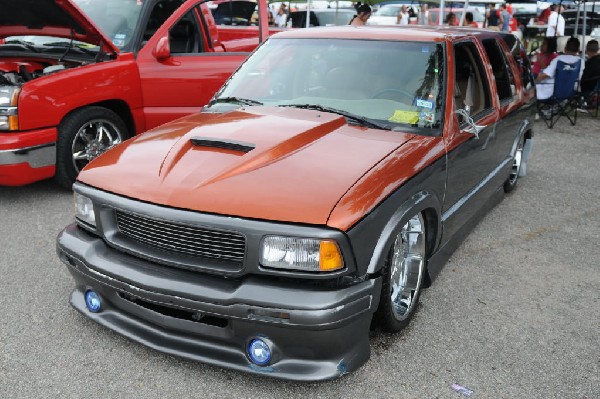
{"x": 183, "y": 239}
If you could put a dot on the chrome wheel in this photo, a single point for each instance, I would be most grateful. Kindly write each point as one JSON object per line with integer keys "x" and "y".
{"x": 516, "y": 166}
{"x": 92, "y": 139}
{"x": 407, "y": 266}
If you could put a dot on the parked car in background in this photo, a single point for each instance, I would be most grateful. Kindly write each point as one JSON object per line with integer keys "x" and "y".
{"x": 322, "y": 17}
{"x": 321, "y": 190}
{"x": 387, "y": 14}
{"x": 77, "y": 77}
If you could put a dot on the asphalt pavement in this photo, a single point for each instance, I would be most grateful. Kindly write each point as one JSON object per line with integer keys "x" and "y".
{"x": 515, "y": 313}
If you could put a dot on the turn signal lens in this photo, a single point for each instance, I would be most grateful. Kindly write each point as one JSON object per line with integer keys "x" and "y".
{"x": 13, "y": 122}
{"x": 330, "y": 256}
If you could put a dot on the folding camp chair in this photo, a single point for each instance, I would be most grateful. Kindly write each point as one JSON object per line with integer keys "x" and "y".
{"x": 590, "y": 93}
{"x": 565, "y": 97}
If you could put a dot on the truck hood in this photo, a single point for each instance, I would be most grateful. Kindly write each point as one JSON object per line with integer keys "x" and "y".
{"x": 58, "y": 18}
{"x": 281, "y": 164}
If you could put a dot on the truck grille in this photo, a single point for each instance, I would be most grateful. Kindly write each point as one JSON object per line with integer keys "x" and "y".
{"x": 183, "y": 239}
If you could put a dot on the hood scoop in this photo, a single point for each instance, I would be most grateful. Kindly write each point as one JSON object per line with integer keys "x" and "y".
{"x": 233, "y": 145}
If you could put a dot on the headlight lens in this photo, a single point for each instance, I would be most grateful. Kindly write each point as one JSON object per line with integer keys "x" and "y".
{"x": 307, "y": 254}
{"x": 84, "y": 210}
{"x": 9, "y": 117}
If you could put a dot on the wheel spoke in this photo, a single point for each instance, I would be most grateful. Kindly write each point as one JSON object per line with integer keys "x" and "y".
{"x": 84, "y": 137}
{"x": 100, "y": 132}
{"x": 81, "y": 156}
{"x": 412, "y": 269}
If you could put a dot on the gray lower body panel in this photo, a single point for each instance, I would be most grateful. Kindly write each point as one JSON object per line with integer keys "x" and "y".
{"x": 315, "y": 332}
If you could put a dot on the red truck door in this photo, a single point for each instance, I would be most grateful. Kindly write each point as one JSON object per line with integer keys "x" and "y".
{"x": 180, "y": 68}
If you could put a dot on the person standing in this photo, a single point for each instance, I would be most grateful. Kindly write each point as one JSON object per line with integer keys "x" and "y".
{"x": 423, "y": 15}
{"x": 402, "y": 17}
{"x": 556, "y": 22}
{"x": 280, "y": 17}
{"x": 492, "y": 21}
{"x": 504, "y": 18}
{"x": 363, "y": 13}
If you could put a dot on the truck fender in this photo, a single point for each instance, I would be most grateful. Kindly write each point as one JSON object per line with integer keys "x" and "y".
{"x": 418, "y": 202}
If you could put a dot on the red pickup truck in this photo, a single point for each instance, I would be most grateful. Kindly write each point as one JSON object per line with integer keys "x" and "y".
{"x": 77, "y": 77}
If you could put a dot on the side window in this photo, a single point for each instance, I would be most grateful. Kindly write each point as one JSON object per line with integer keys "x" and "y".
{"x": 159, "y": 14}
{"x": 505, "y": 81}
{"x": 471, "y": 90}
{"x": 184, "y": 36}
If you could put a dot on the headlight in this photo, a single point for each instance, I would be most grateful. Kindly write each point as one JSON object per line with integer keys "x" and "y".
{"x": 84, "y": 210}
{"x": 307, "y": 254}
{"x": 9, "y": 118}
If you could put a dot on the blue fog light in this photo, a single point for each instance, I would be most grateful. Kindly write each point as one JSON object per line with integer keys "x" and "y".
{"x": 93, "y": 301}
{"x": 259, "y": 352}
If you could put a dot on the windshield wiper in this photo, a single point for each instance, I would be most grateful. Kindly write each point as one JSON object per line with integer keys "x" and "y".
{"x": 236, "y": 100}
{"x": 77, "y": 47}
{"x": 361, "y": 120}
{"x": 28, "y": 45}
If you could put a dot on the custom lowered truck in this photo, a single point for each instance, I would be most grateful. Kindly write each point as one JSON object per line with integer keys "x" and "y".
{"x": 79, "y": 76}
{"x": 309, "y": 198}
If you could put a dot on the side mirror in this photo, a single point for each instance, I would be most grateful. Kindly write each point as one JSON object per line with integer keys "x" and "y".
{"x": 472, "y": 127}
{"x": 162, "y": 51}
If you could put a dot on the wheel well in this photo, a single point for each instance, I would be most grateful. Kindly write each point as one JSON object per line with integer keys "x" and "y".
{"x": 432, "y": 225}
{"x": 120, "y": 108}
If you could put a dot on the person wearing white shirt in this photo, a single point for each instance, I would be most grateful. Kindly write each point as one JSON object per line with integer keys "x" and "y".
{"x": 545, "y": 80}
{"x": 556, "y": 23}
{"x": 280, "y": 17}
{"x": 402, "y": 18}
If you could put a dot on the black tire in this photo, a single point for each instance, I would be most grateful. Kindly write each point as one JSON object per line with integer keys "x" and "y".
{"x": 83, "y": 135}
{"x": 405, "y": 269}
{"x": 513, "y": 178}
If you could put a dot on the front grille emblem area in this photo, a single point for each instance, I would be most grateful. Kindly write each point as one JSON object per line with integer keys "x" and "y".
{"x": 183, "y": 239}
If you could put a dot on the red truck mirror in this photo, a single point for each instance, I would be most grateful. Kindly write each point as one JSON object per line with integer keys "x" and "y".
{"x": 162, "y": 50}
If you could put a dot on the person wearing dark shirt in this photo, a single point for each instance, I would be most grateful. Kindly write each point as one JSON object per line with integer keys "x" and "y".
{"x": 591, "y": 73}
{"x": 491, "y": 18}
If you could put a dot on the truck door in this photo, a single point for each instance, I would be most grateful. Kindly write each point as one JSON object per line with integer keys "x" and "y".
{"x": 470, "y": 157}
{"x": 184, "y": 81}
{"x": 511, "y": 114}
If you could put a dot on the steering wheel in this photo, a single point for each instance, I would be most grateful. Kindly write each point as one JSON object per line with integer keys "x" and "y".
{"x": 403, "y": 93}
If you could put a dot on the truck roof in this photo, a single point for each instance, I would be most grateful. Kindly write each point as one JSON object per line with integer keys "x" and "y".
{"x": 381, "y": 32}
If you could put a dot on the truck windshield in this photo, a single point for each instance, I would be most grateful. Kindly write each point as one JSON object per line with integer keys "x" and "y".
{"x": 115, "y": 18}
{"x": 394, "y": 84}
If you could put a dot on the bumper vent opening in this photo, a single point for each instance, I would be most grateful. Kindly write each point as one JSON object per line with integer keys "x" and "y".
{"x": 177, "y": 312}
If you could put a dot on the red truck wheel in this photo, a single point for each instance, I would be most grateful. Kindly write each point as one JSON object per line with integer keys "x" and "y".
{"x": 82, "y": 136}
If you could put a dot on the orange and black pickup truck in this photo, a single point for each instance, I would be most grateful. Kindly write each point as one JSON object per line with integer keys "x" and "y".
{"x": 323, "y": 187}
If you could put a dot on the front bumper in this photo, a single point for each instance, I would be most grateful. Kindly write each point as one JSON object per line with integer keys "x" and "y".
{"x": 316, "y": 332}
{"x": 26, "y": 157}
